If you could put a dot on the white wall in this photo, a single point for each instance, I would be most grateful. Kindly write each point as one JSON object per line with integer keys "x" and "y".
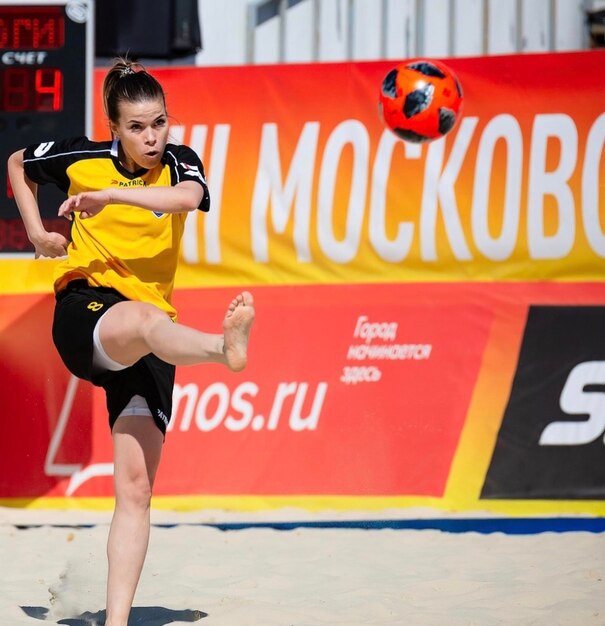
{"x": 401, "y": 37}
{"x": 300, "y": 44}
{"x": 223, "y": 25}
{"x": 467, "y": 35}
{"x": 336, "y": 30}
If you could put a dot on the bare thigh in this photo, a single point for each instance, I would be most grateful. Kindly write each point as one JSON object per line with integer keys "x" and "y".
{"x": 137, "y": 450}
{"x": 123, "y": 328}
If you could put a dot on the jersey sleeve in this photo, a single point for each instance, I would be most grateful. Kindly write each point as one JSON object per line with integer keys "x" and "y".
{"x": 185, "y": 164}
{"x": 47, "y": 162}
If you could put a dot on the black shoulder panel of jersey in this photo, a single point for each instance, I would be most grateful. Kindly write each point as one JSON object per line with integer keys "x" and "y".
{"x": 185, "y": 164}
{"x": 48, "y": 162}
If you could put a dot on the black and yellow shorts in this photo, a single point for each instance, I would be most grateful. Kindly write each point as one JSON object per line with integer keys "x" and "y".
{"x": 77, "y": 311}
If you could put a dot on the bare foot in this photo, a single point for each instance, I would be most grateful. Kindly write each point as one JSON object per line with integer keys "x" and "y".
{"x": 236, "y": 325}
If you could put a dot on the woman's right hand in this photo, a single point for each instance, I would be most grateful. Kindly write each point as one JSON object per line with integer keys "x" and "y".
{"x": 50, "y": 245}
{"x": 86, "y": 203}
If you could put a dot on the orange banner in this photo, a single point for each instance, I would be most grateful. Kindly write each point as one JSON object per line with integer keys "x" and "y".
{"x": 308, "y": 186}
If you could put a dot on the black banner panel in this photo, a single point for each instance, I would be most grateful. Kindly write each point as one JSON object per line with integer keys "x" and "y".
{"x": 551, "y": 441}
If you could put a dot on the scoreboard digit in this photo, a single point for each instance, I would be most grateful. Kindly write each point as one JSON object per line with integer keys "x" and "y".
{"x": 46, "y": 60}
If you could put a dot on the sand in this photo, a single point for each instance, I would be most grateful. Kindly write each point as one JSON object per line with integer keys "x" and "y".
{"x": 55, "y": 570}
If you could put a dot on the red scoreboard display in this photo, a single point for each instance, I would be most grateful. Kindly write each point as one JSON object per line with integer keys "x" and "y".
{"x": 46, "y": 58}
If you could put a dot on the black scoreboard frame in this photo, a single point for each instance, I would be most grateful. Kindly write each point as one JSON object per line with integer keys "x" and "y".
{"x": 46, "y": 83}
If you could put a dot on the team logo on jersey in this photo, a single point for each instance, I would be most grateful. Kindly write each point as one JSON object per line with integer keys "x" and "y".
{"x": 137, "y": 182}
{"x": 192, "y": 170}
{"x": 43, "y": 148}
{"x": 94, "y": 306}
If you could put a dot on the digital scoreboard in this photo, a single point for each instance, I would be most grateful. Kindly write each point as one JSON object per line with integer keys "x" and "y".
{"x": 46, "y": 61}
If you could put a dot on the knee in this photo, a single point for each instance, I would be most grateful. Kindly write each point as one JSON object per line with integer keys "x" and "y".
{"x": 148, "y": 315}
{"x": 134, "y": 492}
{"x": 126, "y": 322}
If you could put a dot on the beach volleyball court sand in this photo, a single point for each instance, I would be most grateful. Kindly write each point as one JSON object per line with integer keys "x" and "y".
{"x": 196, "y": 572}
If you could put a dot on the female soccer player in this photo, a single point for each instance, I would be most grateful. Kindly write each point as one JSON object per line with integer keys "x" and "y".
{"x": 114, "y": 323}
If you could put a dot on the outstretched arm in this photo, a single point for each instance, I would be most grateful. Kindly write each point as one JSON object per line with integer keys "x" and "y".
{"x": 46, "y": 243}
{"x": 185, "y": 196}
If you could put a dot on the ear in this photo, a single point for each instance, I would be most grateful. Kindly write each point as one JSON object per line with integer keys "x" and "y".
{"x": 113, "y": 128}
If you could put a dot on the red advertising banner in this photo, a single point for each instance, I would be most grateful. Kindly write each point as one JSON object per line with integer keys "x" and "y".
{"x": 391, "y": 392}
{"x": 428, "y": 316}
{"x": 345, "y": 394}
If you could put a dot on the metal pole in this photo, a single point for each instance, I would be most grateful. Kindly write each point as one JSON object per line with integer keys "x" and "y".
{"x": 350, "y": 28}
{"x": 585, "y": 24}
{"x": 420, "y": 16}
{"x": 519, "y": 26}
{"x": 485, "y": 43}
{"x": 451, "y": 31}
{"x": 250, "y": 30}
{"x": 316, "y": 31}
{"x": 552, "y": 25}
{"x": 384, "y": 25}
{"x": 283, "y": 7}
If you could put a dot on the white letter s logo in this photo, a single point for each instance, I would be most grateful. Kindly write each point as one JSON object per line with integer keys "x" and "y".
{"x": 575, "y": 401}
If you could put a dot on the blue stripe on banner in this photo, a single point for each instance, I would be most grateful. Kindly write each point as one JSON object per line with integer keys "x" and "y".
{"x": 514, "y": 526}
{"x": 508, "y": 526}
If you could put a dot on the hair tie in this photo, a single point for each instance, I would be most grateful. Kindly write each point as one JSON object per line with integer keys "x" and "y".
{"x": 127, "y": 71}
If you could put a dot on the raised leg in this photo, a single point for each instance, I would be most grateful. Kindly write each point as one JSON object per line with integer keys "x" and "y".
{"x": 130, "y": 330}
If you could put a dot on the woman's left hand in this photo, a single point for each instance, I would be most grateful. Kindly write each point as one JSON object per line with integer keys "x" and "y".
{"x": 87, "y": 204}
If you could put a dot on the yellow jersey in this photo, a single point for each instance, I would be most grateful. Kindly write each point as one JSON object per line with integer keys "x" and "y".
{"x": 133, "y": 250}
